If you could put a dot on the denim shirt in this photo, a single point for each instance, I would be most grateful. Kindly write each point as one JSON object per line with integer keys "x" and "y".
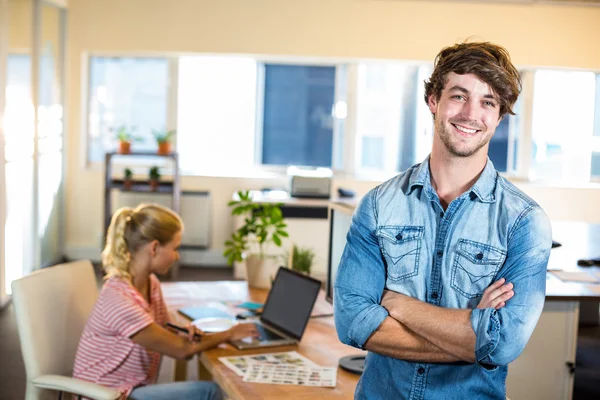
{"x": 401, "y": 239}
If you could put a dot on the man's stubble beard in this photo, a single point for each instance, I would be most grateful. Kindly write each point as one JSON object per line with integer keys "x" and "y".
{"x": 446, "y": 138}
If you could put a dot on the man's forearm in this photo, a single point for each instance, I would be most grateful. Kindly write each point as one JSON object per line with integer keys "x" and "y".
{"x": 447, "y": 328}
{"x": 392, "y": 339}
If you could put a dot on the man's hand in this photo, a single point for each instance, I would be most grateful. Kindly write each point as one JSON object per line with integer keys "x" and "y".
{"x": 496, "y": 295}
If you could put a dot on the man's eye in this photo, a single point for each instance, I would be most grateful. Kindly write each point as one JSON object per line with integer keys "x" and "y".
{"x": 457, "y": 96}
{"x": 490, "y": 104}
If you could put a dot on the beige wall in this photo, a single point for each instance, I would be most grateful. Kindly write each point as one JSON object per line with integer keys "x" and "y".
{"x": 19, "y": 28}
{"x": 535, "y": 35}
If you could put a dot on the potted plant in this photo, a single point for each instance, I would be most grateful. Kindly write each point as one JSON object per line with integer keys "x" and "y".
{"x": 127, "y": 178}
{"x": 301, "y": 259}
{"x": 163, "y": 139}
{"x": 124, "y": 135}
{"x": 154, "y": 177}
{"x": 263, "y": 226}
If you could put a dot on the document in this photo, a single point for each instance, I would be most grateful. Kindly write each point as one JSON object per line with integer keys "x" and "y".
{"x": 283, "y": 374}
{"x": 240, "y": 364}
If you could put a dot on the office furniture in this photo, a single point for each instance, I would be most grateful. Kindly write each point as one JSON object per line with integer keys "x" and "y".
{"x": 52, "y": 306}
{"x": 319, "y": 343}
{"x": 165, "y": 187}
{"x": 545, "y": 370}
{"x": 307, "y": 227}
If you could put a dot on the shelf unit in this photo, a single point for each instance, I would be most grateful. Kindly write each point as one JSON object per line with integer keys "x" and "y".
{"x": 165, "y": 187}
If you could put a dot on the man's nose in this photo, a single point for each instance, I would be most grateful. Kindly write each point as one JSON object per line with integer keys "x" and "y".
{"x": 470, "y": 111}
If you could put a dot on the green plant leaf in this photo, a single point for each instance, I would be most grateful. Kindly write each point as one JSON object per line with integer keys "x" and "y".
{"x": 276, "y": 240}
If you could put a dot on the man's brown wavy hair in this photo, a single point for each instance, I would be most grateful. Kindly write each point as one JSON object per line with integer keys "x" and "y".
{"x": 489, "y": 62}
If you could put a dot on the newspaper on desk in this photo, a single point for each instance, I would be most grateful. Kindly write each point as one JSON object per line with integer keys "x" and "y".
{"x": 285, "y": 368}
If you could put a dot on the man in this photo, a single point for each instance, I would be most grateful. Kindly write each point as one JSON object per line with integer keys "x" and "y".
{"x": 443, "y": 276}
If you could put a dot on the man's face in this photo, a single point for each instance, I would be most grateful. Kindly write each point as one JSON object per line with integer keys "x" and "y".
{"x": 466, "y": 115}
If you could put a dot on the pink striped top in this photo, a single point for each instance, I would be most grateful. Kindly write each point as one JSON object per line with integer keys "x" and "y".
{"x": 105, "y": 354}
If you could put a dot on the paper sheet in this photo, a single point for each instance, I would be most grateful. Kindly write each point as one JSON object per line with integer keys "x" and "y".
{"x": 240, "y": 364}
{"x": 291, "y": 375}
{"x": 570, "y": 276}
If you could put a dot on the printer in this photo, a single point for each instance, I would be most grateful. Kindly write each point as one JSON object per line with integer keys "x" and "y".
{"x": 310, "y": 182}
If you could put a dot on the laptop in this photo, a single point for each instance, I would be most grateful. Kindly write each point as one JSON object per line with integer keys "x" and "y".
{"x": 286, "y": 311}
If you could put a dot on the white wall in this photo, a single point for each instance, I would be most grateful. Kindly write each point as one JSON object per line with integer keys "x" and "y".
{"x": 538, "y": 35}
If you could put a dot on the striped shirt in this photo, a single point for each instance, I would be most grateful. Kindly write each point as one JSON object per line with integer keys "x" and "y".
{"x": 106, "y": 355}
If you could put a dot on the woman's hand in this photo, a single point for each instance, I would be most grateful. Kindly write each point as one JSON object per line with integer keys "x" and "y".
{"x": 243, "y": 330}
{"x": 195, "y": 334}
{"x": 496, "y": 295}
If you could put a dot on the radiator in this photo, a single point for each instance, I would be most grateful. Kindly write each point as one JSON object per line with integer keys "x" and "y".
{"x": 194, "y": 210}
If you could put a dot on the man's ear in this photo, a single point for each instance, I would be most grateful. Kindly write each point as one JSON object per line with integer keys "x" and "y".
{"x": 432, "y": 104}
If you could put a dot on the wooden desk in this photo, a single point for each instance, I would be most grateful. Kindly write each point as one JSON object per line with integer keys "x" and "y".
{"x": 319, "y": 343}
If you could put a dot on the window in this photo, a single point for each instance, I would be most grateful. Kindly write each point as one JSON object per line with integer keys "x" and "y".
{"x": 131, "y": 91}
{"x": 236, "y": 115}
{"x": 563, "y": 125}
{"x": 394, "y": 128}
{"x": 297, "y": 123}
{"x": 216, "y": 114}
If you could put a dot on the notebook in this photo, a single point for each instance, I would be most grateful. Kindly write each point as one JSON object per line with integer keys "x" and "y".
{"x": 286, "y": 311}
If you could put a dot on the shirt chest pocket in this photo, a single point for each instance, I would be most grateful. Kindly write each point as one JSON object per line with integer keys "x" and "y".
{"x": 400, "y": 246}
{"x": 475, "y": 266}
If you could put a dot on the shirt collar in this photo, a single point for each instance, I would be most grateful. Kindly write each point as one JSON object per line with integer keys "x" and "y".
{"x": 483, "y": 188}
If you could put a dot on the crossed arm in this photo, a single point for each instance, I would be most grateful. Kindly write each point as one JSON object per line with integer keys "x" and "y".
{"x": 417, "y": 331}
{"x": 401, "y": 327}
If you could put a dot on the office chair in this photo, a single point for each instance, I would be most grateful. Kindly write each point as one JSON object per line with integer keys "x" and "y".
{"x": 52, "y": 306}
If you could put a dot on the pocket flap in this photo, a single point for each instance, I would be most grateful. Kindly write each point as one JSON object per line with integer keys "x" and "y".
{"x": 400, "y": 234}
{"x": 480, "y": 253}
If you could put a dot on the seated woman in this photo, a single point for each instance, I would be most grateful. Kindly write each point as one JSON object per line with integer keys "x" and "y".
{"x": 125, "y": 335}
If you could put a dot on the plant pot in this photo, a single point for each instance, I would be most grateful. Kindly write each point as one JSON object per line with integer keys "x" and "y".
{"x": 124, "y": 147}
{"x": 164, "y": 148}
{"x": 127, "y": 184}
{"x": 153, "y": 184}
{"x": 260, "y": 271}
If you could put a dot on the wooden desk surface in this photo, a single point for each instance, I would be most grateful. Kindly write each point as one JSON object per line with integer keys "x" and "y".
{"x": 319, "y": 343}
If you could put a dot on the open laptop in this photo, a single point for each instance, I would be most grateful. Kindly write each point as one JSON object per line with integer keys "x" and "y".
{"x": 286, "y": 311}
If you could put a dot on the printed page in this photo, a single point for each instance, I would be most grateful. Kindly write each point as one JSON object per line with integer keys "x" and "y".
{"x": 240, "y": 364}
{"x": 291, "y": 375}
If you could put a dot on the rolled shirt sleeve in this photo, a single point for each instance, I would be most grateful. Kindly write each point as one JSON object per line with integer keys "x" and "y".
{"x": 360, "y": 279}
{"x": 501, "y": 335}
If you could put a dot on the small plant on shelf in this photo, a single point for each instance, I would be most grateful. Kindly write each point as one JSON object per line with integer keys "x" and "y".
{"x": 127, "y": 179}
{"x": 154, "y": 176}
{"x": 163, "y": 140}
{"x": 124, "y": 134}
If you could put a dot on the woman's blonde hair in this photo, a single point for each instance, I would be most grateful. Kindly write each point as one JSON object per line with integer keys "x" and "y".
{"x": 132, "y": 228}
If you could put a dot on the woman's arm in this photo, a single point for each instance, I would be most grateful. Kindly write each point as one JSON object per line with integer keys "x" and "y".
{"x": 156, "y": 338}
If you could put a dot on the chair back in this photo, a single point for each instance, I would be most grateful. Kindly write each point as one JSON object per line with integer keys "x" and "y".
{"x": 52, "y": 306}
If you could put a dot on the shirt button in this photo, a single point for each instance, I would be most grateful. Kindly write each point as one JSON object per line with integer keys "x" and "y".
{"x": 398, "y": 237}
{"x": 479, "y": 256}
{"x": 440, "y": 253}
{"x": 434, "y": 295}
{"x": 421, "y": 371}
{"x": 442, "y": 214}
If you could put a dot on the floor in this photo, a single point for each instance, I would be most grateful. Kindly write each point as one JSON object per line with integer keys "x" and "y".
{"x": 12, "y": 371}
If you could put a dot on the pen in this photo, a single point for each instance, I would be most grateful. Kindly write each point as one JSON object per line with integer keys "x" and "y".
{"x": 180, "y": 329}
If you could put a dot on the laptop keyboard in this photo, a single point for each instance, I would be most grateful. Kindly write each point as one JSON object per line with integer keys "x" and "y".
{"x": 266, "y": 334}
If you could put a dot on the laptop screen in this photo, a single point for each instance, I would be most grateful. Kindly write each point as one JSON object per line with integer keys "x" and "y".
{"x": 290, "y": 302}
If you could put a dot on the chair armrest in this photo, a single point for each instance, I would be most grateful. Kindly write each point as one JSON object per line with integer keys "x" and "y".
{"x": 76, "y": 386}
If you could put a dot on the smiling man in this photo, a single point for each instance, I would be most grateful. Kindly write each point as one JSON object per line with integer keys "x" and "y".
{"x": 443, "y": 275}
